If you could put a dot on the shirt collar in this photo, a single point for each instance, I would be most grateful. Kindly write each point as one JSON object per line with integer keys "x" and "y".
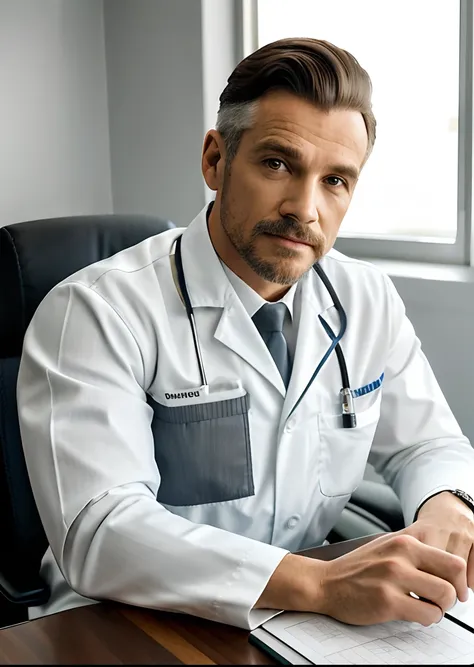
{"x": 252, "y": 301}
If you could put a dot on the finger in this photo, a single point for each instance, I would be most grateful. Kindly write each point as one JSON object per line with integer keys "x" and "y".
{"x": 460, "y": 545}
{"x": 418, "y": 611}
{"x": 430, "y": 588}
{"x": 470, "y": 569}
{"x": 434, "y": 561}
{"x": 449, "y": 567}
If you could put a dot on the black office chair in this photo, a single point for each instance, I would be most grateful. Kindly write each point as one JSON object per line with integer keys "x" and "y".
{"x": 34, "y": 257}
{"x": 373, "y": 508}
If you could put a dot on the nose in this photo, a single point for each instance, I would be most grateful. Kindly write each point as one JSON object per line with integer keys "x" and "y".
{"x": 301, "y": 202}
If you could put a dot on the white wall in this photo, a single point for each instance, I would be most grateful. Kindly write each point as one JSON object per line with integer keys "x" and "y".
{"x": 54, "y": 140}
{"x": 219, "y": 57}
{"x": 442, "y": 312}
{"x": 155, "y": 85}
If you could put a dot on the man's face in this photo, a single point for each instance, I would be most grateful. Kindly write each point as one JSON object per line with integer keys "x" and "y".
{"x": 283, "y": 197}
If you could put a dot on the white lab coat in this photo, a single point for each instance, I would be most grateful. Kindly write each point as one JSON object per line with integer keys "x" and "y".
{"x": 117, "y": 330}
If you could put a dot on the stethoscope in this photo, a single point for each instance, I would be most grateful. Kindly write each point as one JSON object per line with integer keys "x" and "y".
{"x": 347, "y": 404}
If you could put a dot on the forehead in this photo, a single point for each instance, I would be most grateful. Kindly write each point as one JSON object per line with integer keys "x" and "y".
{"x": 282, "y": 115}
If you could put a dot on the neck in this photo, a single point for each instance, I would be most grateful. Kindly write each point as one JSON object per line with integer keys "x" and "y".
{"x": 231, "y": 258}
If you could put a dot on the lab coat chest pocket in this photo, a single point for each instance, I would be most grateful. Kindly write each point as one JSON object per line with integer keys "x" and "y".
{"x": 344, "y": 451}
{"x": 203, "y": 451}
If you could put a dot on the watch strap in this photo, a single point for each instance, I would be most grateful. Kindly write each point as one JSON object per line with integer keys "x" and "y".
{"x": 465, "y": 497}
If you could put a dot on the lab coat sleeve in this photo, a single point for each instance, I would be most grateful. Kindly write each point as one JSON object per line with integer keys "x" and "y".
{"x": 86, "y": 432}
{"x": 419, "y": 447}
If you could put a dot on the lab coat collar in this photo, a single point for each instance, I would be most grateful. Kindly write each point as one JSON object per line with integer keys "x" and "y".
{"x": 206, "y": 281}
{"x": 208, "y": 286}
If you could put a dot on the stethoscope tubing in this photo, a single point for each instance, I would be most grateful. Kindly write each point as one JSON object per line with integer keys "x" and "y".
{"x": 348, "y": 410}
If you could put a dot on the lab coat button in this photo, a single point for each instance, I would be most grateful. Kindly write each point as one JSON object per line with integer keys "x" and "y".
{"x": 289, "y": 426}
{"x": 292, "y": 521}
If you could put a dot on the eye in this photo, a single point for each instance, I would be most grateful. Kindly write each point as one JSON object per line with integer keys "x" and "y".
{"x": 335, "y": 181}
{"x": 274, "y": 164}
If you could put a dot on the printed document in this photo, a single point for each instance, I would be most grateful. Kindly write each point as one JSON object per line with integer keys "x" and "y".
{"x": 325, "y": 641}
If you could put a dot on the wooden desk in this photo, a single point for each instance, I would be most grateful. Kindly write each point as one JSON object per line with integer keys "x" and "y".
{"x": 115, "y": 634}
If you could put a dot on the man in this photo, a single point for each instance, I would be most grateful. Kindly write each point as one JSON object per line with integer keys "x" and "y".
{"x": 177, "y": 458}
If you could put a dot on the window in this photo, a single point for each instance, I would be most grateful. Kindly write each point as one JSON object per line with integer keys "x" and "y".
{"x": 413, "y": 199}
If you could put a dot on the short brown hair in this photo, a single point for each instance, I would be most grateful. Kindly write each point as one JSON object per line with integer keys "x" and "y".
{"x": 313, "y": 69}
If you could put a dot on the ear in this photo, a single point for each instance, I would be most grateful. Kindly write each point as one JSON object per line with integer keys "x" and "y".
{"x": 213, "y": 159}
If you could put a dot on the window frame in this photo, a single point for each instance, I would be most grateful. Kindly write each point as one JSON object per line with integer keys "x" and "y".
{"x": 460, "y": 252}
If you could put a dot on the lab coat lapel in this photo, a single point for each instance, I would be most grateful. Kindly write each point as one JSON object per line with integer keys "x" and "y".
{"x": 209, "y": 287}
{"x": 238, "y": 332}
{"x": 312, "y": 340}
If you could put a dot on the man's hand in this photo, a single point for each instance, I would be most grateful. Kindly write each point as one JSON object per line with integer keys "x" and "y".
{"x": 447, "y": 523}
{"x": 372, "y": 584}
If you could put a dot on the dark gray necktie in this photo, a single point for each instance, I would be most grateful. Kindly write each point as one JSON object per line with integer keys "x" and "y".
{"x": 269, "y": 322}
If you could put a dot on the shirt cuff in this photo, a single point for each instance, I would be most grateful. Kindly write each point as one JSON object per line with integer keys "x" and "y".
{"x": 245, "y": 586}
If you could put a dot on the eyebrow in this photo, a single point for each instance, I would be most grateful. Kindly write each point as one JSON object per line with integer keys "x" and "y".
{"x": 347, "y": 170}
{"x": 275, "y": 146}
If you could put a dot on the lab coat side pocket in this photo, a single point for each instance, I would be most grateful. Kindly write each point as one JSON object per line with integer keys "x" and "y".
{"x": 203, "y": 452}
{"x": 344, "y": 451}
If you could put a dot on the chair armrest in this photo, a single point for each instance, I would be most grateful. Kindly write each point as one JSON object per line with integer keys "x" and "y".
{"x": 355, "y": 523}
{"x": 379, "y": 500}
{"x": 373, "y": 508}
{"x": 31, "y": 593}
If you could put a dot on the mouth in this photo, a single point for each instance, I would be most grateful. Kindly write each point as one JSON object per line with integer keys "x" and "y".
{"x": 290, "y": 241}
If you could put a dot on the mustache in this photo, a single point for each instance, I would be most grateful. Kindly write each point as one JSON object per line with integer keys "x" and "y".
{"x": 286, "y": 227}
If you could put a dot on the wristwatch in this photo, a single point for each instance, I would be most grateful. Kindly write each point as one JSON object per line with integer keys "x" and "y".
{"x": 465, "y": 497}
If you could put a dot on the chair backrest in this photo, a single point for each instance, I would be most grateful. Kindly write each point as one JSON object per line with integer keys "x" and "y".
{"x": 34, "y": 257}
